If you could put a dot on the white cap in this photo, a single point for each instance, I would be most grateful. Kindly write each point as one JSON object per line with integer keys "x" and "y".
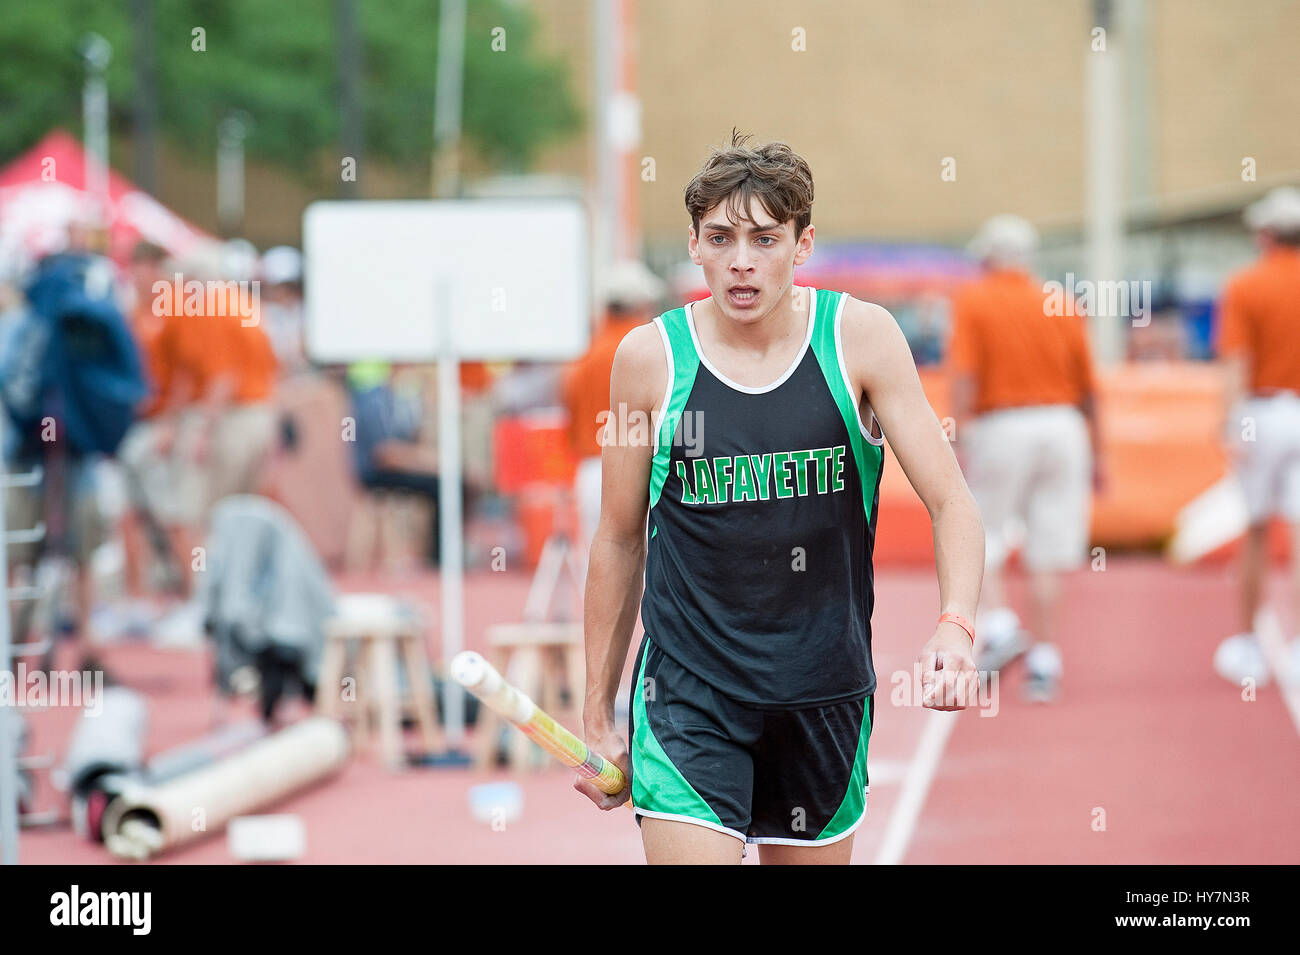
{"x": 1279, "y": 211}
{"x": 1005, "y": 240}
{"x": 629, "y": 283}
{"x": 204, "y": 260}
{"x": 281, "y": 264}
{"x": 238, "y": 260}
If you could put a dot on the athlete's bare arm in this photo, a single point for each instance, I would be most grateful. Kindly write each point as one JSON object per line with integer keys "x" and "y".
{"x": 879, "y": 362}
{"x": 616, "y": 567}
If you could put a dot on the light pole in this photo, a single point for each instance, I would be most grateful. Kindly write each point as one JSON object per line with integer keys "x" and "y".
{"x": 231, "y": 133}
{"x": 96, "y": 52}
{"x": 447, "y": 98}
{"x": 1103, "y": 216}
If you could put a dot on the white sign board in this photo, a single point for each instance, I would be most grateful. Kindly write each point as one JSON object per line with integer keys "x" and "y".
{"x": 512, "y": 274}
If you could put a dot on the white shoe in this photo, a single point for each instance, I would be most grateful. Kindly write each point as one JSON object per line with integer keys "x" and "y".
{"x": 1043, "y": 680}
{"x": 124, "y": 619}
{"x": 1000, "y": 639}
{"x": 181, "y": 627}
{"x": 995, "y": 652}
{"x": 1240, "y": 657}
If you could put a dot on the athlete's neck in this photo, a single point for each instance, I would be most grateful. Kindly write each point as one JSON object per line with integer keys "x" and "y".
{"x": 787, "y": 318}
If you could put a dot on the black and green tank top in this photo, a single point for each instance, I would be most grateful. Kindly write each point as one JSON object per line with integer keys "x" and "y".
{"x": 762, "y": 522}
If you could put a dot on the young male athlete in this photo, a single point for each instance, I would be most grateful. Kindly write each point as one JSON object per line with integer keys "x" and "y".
{"x": 753, "y": 695}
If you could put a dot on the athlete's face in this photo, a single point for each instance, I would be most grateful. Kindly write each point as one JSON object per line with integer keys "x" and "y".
{"x": 748, "y": 265}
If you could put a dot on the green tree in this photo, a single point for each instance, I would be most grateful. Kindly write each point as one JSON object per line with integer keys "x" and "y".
{"x": 276, "y": 62}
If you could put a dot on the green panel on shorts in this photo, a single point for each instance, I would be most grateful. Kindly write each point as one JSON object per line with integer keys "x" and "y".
{"x": 867, "y": 456}
{"x": 686, "y": 364}
{"x": 657, "y": 785}
{"x": 855, "y": 800}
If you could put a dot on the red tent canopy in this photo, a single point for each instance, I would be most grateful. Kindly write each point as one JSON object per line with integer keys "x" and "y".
{"x": 43, "y": 192}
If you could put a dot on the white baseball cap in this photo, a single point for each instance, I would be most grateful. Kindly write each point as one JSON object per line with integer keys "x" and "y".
{"x": 1278, "y": 211}
{"x": 629, "y": 283}
{"x": 1006, "y": 240}
{"x": 281, "y": 264}
{"x": 205, "y": 260}
{"x": 238, "y": 260}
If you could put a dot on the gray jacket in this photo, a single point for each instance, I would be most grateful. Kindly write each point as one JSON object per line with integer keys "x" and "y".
{"x": 264, "y": 586}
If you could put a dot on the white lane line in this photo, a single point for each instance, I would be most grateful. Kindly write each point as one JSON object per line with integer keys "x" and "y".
{"x": 887, "y": 772}
{"x": 916, "y": 786}
{"x": 1273, "y": 643}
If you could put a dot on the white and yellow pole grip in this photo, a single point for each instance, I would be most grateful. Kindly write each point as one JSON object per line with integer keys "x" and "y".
{"x": 478, "y": 676}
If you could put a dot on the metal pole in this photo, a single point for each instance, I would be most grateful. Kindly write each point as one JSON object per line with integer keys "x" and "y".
{"x": 1135, "y": 37}
{"x": 349, "y": 73}
{"x": 231, "y": 133}
{"x": 8, "y": 715}
{"x": 96, "y": 52}
{"x": 1104, "y": 226}
{"x": 145, "y": 112}
{"x": 447, "y": 98}
{"x": 446, "y": 183}
{"x": 604, "y": 206}
{"x": 629, "y": 169}
{"x": 449, "y": 508}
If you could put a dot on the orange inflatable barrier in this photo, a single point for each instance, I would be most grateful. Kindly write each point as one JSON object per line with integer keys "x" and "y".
{"x": 1160, "y": 438}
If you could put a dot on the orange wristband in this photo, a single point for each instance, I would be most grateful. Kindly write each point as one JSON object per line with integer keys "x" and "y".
{"x": 959, "y": 621}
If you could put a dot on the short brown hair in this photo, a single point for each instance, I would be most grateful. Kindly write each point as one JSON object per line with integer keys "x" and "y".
{"x": 774, "y": 173}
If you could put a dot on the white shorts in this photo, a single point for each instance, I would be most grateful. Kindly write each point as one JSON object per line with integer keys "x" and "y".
{"x": 1030, "y": 470}
{"x": 239, "y": 442}
{"x": 1267, "y": 441}
{"x": 148, "y": 472}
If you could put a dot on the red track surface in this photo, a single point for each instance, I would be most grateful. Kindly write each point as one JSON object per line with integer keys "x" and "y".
{"x": 1185, "y": 771}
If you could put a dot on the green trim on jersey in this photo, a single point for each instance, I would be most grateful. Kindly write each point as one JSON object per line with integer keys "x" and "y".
{"x": 855, "y": 798}
{"x": 658, "y": 785}
{"x": 868, "y": 457}
{"x": 686, "y": 363}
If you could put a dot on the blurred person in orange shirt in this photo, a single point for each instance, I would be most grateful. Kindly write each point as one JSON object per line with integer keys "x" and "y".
{"x": 216, "y": 378}
{"x": 1259, "y": 342}
{"x": 147, "y": 473}
{"x": 1024, "y": 400}
{"x": 146, "y": 269}
{"x": 631, "y": 293}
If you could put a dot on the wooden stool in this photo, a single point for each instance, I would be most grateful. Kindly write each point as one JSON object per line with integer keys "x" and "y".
{"x": 383, "y": 630}
{"x": 538, "y": 658}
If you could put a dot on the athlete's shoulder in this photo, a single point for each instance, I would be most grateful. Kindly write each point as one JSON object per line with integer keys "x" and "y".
{"x": 865, "y": 320}
{"x": 640, "y": 367}
{"x": 640, "y": 344}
